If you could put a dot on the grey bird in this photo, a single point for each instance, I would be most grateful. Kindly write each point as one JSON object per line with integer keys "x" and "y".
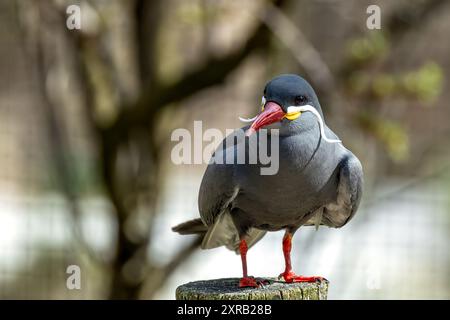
{"x": 319, "y": 181}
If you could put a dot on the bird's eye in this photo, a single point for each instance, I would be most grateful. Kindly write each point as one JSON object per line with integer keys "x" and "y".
{"x": 299, "y": 100}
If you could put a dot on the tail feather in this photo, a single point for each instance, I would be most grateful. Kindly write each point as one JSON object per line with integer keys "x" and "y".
{"x": 222, "y": 233}
{"x": 195, "y": 226}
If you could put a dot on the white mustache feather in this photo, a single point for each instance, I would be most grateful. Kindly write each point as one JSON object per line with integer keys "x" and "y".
{"x": 248, "y": 120}
{"x": 319, "y": 119}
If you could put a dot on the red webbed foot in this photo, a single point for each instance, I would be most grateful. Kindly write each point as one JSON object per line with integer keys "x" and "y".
{"x": 251, "y": 282}
{"x": 248, "y": 282}
{"x": 290, "y": 277}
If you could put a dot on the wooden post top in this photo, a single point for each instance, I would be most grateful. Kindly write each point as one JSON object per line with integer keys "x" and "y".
{"x": 227, "y": 289}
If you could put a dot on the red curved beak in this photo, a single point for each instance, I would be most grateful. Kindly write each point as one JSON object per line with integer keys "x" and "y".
{"x": 272, "y": 113}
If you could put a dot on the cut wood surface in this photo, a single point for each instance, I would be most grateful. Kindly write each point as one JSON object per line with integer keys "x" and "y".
{"x": 227, "y": 289}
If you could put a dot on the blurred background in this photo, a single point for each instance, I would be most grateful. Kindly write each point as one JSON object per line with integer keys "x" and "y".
{"x": 86, "y": 118}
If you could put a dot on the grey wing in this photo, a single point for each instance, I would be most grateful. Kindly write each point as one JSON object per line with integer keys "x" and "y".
{"x": 218, "y": 188}
{"x": 349, "y": 191}
{"x": 348, "y": 196}
{"x": 217, "y": 192}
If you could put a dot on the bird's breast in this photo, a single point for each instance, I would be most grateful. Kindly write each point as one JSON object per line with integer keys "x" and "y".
{"x": 306, "y": 179}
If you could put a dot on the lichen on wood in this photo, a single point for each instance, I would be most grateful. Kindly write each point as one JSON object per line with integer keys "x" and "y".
{"x": 228, "y": 289}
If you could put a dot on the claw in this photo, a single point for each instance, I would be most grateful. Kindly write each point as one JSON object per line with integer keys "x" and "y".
{"x": 248, "y": 282}
{"x": 253, "y": 282}
{"x": 263, "y": 282}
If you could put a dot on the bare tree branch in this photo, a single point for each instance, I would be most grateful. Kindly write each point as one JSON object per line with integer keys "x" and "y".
{"x": 301, "y": 48}
{"x": 148, "y": 16}
{"x": 410, "y": 16}
{"x": 213, "y": 72}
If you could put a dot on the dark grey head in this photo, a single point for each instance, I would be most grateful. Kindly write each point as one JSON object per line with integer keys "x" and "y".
{"x": 291, "y": 90}
{"x": 285, "y": 98}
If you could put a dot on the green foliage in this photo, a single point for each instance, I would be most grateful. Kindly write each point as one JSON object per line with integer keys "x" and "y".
{"x": 391, "y": 134}
{"x": 369, "y": 48}
{"x": 358, "y": 83}
{"x": 384, "y": 85}
{"x": 191, "y": 14}
{"x": 425, "y": 84}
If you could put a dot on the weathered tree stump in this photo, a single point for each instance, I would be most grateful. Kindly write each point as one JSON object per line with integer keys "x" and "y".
{"x": 227, "y": 289}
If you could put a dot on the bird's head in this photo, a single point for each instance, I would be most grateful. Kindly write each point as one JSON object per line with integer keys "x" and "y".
{"x": 285, "y": 98}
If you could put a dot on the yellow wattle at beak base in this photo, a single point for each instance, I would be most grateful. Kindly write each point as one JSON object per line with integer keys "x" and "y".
{"x": 293, "y": 115}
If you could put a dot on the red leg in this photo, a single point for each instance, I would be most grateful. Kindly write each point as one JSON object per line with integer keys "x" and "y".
{"x": 288, "y": 274}
{"x": 246, "y": 281}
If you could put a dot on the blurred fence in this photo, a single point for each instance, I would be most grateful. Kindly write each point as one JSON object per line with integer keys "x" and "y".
{"x": 397, "y": 246}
